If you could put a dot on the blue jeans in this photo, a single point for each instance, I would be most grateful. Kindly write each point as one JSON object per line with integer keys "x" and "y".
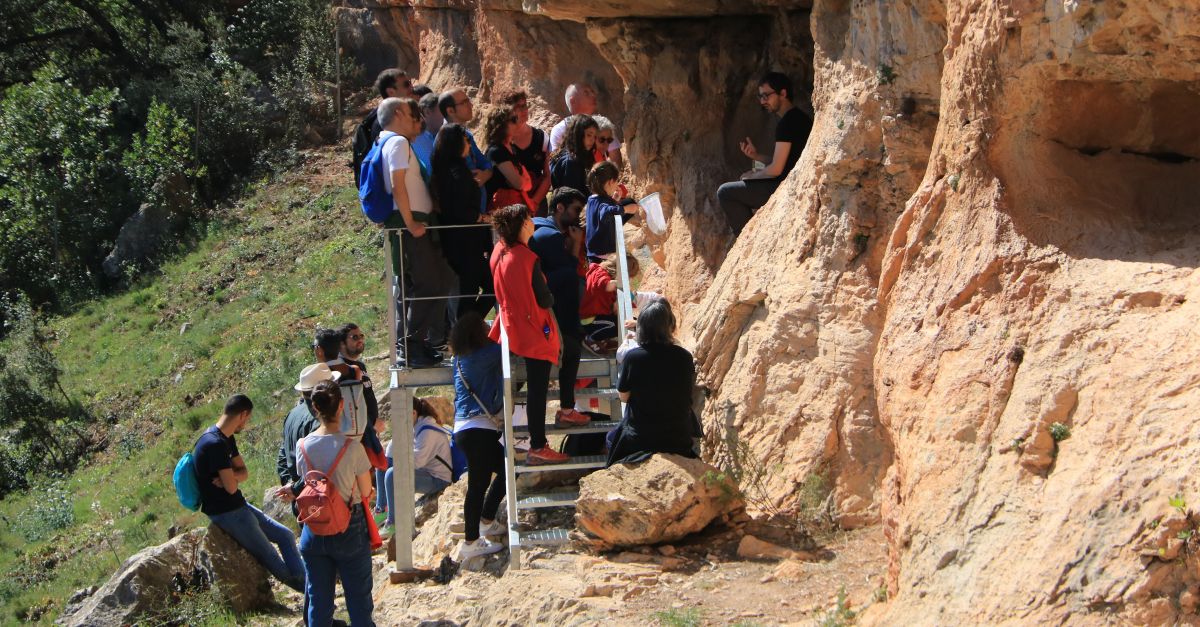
{"x": 424, "y": 483}
{"x": 256, "y": 532}
{"x": 346, "y": 556}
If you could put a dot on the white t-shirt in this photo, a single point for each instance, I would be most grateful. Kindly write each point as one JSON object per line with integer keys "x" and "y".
{"x": 398, "y": 155}
{"x": 560, "y": 129}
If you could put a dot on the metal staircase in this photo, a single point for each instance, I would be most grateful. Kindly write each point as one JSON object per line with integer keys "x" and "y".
{"x": 404, "y": 382}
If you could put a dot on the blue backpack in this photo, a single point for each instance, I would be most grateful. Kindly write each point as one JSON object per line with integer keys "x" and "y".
{"x": 187, "y": 488}
{"x": 458, "y": 467}
{"x": 377, "y": 203}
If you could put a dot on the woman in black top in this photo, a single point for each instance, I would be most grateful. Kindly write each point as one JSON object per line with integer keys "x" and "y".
{"x": 655, "y": 382}
{"x": 570, "y": 163}
{"x": 510, "y": 184}
{"x": 457, "y": 197}
{"x": 531, "y": 147}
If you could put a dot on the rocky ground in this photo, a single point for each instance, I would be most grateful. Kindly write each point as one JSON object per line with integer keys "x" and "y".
{"x": 699, "y": 581}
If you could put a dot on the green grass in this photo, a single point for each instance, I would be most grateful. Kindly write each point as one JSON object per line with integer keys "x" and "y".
{"x": 293, "y": 256}
{"x": 690, "y": 617}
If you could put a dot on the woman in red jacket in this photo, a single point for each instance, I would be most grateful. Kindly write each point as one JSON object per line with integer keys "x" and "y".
{"x": 524, "y": 301}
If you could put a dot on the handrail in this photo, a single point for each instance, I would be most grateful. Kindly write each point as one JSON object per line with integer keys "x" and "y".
{"x": 510, "y": 459}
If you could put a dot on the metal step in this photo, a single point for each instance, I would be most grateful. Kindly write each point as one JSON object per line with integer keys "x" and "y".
{"x": 595, "y": 426}
{"x": 546, "y": 537}
{"x": 581, "y": 462}
{"x": 422, "y": 377}
{"x": 604, "y": 394}
{"x": 553, "y": 498}
{"x": 588, "y": 369}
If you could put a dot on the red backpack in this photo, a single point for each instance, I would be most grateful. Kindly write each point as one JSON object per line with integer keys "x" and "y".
{"x": 319, "y": 504}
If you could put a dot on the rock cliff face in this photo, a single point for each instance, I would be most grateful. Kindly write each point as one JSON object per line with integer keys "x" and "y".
{"x": 993, "y": 229}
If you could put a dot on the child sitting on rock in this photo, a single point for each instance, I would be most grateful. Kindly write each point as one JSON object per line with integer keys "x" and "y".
{"x": 603, "y": 208}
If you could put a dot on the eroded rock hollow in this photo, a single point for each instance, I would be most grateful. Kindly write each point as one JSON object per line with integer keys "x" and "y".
{"x": 970, "y": 305}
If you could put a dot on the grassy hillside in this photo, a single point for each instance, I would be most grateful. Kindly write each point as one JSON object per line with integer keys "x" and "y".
{"x": 295, "y": 255}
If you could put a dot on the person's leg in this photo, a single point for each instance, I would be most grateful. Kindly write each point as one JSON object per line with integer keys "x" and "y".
{"x": 426, "y": 265}
{"x": 283, "y": 538}
{"x": 740, "y": 199}
{"x": 321, "y": 572}
{"x": 354, "y": 568}
{"x": 390, "y": 489}
{"x": 495, "y": 461}
{"x": 242, "y": 525}
{"x": 476, "y": 445}
{"x": 568, "y": 371}
{"x": 381, "y": 504}
{"x": 538, "y": 376}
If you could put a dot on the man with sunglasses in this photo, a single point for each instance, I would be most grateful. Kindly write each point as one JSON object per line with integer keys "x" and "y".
{"x": 391, "y": 83}
{"x": 740, "y": 199}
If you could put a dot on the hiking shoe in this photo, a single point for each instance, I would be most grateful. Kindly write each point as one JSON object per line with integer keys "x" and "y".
{"x": 571, "y": 418}
{"x": 387, "y": 531}
{"x": 380, "y": 518}
{"x": 482, "y": 546}
{"x": 493, "y": 528}
{"x": 545, "y": 455}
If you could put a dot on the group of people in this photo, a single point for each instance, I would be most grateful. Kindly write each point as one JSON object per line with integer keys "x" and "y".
{"x": 321, "y": 434}
{"x": 547, "y": 266}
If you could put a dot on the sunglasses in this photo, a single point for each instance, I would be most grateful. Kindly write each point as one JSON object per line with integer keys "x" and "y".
{"x": 604, "y": 140}
{"x": 357, "y": 337}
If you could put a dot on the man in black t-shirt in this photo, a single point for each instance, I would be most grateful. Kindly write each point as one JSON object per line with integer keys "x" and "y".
{"x": 219, "y": 470}
{"x": 740, "y": 199}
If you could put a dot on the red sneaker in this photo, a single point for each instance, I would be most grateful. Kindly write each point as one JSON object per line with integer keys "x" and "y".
{"x": 571, "y": 418}
{"x": 545, "y": 455}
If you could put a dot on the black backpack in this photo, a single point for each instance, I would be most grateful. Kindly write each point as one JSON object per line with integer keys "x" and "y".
{"x": 364, "y": 138}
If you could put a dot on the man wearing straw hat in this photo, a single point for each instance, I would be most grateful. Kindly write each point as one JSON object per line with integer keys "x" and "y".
{"x": 300, "y": 422}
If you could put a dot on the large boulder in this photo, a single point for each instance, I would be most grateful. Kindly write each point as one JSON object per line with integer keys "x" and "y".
{"x": 142, "y": 583}
{"x": 240, "y": 579}
{"x": 659, "y": 500}
{"x": 152, "y": 578}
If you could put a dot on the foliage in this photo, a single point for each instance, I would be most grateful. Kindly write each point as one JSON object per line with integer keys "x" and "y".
{"x": 61, "y": 198}
{"x": 52, "y": 511}
{"x": 162, "y": 155}
{"x": 839, "y": 615}
{"x": 690, "y": 617}
{"x": 1059, "y": 431}
{"x": 1178, "y": 502}
{"x": 109, "y": 104}
{"x": 44, "y": 424}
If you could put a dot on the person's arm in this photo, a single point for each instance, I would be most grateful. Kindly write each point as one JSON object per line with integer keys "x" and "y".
{"x": 400, "y": 201}
{"x": 227, "y": 480}
{"x": 774, "y": 169}
{"x": 482, "y": 165}
{"x": 541, "y": 291}
{"x": 364, "y": 485}
{"x": 516, "y": 179}
{"x": 625, "y": 378}
{"x": 239, "y": 468}
{"x": 543, "y": 186}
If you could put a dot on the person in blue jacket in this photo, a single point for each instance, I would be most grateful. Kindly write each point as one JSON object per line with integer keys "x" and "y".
{"x": 557, "y": 240}
{"x": 603, "y": 208}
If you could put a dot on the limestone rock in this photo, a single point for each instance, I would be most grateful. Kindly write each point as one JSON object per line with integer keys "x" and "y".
{"x": 750, "y": 547}
{"x": 142, "y": 583}
{"x": 660, "y": 500}
{"x": 240, "y": 579}
{"x": 279, "y": 510}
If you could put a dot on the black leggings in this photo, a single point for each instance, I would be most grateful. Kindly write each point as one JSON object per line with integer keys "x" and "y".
{"x": 538, "y": 373}
{"x": 485, "y": 458}
{"x": 568, "y": 371}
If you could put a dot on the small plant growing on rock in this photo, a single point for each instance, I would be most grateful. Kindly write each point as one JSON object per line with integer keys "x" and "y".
{"x": 953, "y": 181}
{"x": 722, "y": 482}
{"x": 690, "y": 617}
{"x": 839, "y": 615}
{"x": 1059, "y": 431}
{"x": 1179, "y": 503}
{"x": 886, "y": 75}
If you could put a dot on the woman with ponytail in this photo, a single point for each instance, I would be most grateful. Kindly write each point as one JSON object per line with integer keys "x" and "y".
{"x": 346, "y": 555}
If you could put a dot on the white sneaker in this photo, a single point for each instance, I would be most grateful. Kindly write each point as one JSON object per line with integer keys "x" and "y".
{"x": 482, "y": 546}
{"x": 493, "y": 528}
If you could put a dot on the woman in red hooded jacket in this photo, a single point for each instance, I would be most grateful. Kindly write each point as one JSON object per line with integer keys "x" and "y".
{"x": 524, "y": 301}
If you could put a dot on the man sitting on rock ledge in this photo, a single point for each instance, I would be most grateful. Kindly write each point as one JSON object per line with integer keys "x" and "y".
{"x": 740, "y": 199}
{"x": 219, "y": 470}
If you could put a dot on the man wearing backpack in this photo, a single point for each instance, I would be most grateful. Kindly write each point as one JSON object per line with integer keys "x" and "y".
{"x": 219, "y": 470}
{"x": 391, "y": 83}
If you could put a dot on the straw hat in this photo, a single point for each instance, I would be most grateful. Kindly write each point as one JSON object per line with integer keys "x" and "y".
{"x": 314, "y": 374}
